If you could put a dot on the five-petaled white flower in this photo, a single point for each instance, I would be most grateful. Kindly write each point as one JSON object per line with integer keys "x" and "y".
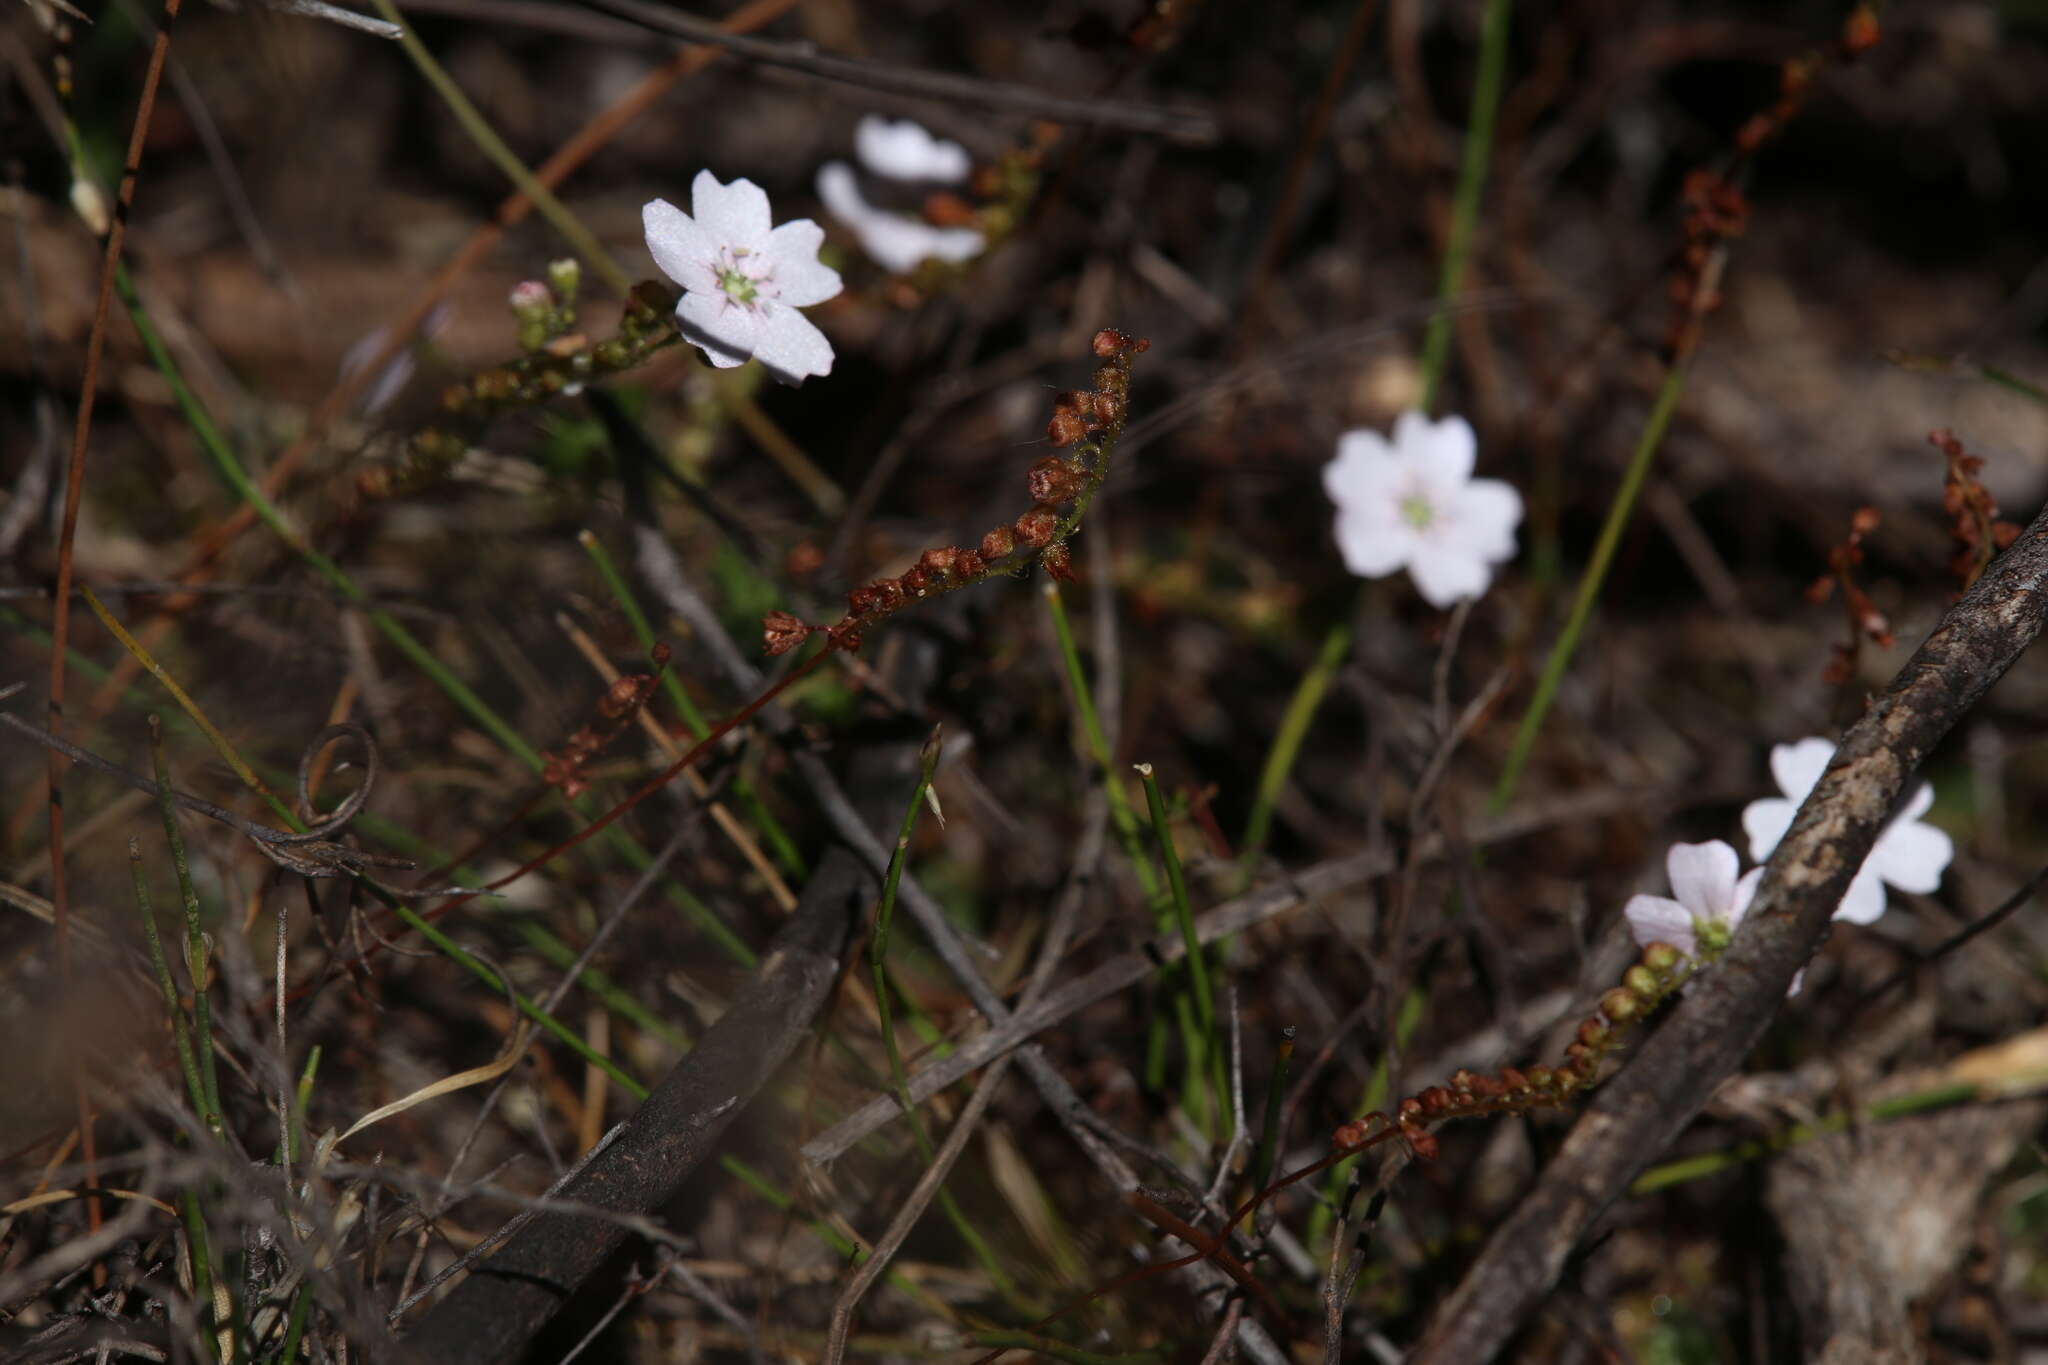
{"x": 743, "y": 278}
{"x": 1711, "y": 902}
{"x": 1414, "y": 504}
{"x": 901, "y": 152}
{"x": 906, "y": 151}
{"x": 1909, "y": 854}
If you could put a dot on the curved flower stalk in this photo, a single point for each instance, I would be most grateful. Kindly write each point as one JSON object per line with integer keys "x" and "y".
{"x": 743, "y": 278}
{"x": 1910, "y": 854}
{"x": 1413, "y": 504}
{"x": 1090, "y": 421}
{"x": 906, "y": 153}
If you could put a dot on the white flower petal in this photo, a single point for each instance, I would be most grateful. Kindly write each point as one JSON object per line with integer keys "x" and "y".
{"x": 1444, "y": 451}
{"x": 1703, "y": 877}
{"x": 1864, "y": 903}
{"x": 905, "y": 151}
{"x": 1919, "y": 801}
{"x": 1911, "y": 856}
{"x": 1372, "y": 546}
{"x": 1797, "y": 767}
{"x": 679, "y": 246}
{"x": 1765, "y": 822}
{"x": 801, "y": 279}
{"x": 734, "y": 215}
{"x": 1654, "y": 919}
{"x": 726, "y": 332}
{"x": 1745, "y": 894}
{"x": 1484, "y": 515}
{"x": 792, "y": 348}
{"x": 1445, "y": 573}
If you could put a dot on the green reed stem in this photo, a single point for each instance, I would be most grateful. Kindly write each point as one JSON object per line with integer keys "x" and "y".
{"x": 1618, "y": 513}
{"x": 1493, "y": 56}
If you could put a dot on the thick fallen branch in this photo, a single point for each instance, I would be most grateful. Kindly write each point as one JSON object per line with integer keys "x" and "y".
{"x": 1635, "y": 1116}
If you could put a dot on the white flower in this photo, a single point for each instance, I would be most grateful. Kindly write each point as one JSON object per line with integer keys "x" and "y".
{"x": 743, "y": 279}
{"x": 1414, "y": 504}
{"x": 1711, "y": 900}
{"x": 1908, "y": 854}
{"x": 896, "y": 241}
{"x": 905, "y": 151}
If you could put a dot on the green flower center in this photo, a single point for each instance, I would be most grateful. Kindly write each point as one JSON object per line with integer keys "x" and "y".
{"x": 1417, "y": 511}
{"x": 737, "y": 287}
{"x": 1714, "y": 936}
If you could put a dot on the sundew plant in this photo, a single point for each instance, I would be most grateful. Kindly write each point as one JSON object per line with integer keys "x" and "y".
{"x": 884, "y": 682}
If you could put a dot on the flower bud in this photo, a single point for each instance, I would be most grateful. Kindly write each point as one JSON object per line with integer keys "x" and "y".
{"x": 782, "y": 632}
{"x": 1643, "y": 982}
{"x": 998, "y": 543}
{"x": 1594, "y": 1033}
{"x": 1663, "y": 959}
{"x": 1054, "y": 481}
{"x": 1514, "y": 1080}
{"x": 940, "y": 563}
{"x": 1059, "y": 563}
{"x": 1035, "y": 527}
{"x": 1422, "y": 1142}
{"x": 1065, "y": 428}
{"x": 1622, "y": 1005}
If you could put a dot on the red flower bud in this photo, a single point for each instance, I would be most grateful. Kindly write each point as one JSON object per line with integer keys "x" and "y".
{"x": 782, "y": 632}
{"x": 998, "y": 543}
{"x": 1035, "y": 527}
{"x": 1054, "y": 481}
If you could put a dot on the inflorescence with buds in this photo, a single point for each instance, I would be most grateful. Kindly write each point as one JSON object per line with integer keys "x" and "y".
{"x": 621, "y": 702}
{"x": 1085, "y": 425}
{"x": 1865, "y": 620}
{"x": 556, "y": 361}
{"x": 1715, "y": 207}
{"x": 1518, "y": 1090}
{"x": 1972, "y": 512}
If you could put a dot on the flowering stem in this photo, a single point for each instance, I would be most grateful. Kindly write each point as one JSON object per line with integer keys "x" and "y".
{"x": 1294, "y": 723}
{"x": 1493, "y": 52}
{"x": 1618, "y": 513}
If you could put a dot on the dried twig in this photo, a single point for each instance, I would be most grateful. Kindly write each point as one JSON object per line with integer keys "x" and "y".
{"x": 1637, "y": 1114}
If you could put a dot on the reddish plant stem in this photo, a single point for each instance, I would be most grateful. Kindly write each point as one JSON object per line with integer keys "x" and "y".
{"x": 67, "y": 537}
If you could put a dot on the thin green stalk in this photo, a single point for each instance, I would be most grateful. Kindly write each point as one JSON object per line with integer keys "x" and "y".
{"x": 1711, "y": 1163}
{"x": 229, "y": 466}
{"x": 1121, "y": 816}
{"x": 196, "y": 948}
{"x": 602, "y": 987}
{"x": 1618, "y": 513}
{"x": 568, "y": 1036}
{"x": 1493, "y": 56}
{"x": 181, "y": 1036}
{"x": 185, "y": 702}
{"x": 302, "y": 1097}
{"x": 878, "y": 957}
{"x": 302, "y": 1304}
{"x": 1287, "y": 742}
{"x": 758, "y": 814}
{"x": 1198, "y": 967}
{"x": 202, "y": 1270}
{"x": 508, "y": 163}
{"x": 1125, "y": 822}
{"x": 1269, "y": 1128}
